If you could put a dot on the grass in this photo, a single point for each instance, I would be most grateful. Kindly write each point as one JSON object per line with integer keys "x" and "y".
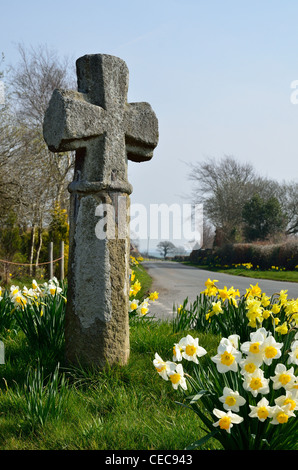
{"x": 274, "y": 275}
{"x": 123, "y": 408}
{"x": 145, "y": 280}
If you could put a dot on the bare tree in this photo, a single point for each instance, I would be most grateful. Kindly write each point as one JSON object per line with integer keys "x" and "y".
{"x": 38, "y": 176}
{"x": 223, "y": 187}
{"x": 288, "y": 198}
{"x": 165, "y": 247}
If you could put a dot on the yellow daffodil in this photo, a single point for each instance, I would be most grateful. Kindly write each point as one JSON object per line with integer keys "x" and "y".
{"x": 282, "y": 329}
{"x": 153, "y": 296}
{"x": 254, "y": 291}
{"x": 224, "y": 293}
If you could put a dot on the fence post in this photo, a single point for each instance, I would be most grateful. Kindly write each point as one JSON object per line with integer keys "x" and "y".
{"x": 51, "y": 270}
{"x": 61, "y": 260}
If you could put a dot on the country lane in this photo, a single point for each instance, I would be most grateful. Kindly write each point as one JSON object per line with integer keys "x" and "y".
{"x": 175, "y": 282}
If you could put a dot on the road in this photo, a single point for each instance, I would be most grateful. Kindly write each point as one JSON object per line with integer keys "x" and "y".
{"x": 176, "y": 281}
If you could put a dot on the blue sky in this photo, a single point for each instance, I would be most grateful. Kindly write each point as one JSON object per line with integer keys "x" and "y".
{"x": 217, "y": 73}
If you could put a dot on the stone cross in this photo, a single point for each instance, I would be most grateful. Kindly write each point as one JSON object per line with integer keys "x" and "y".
{"x": 105, "y": 131}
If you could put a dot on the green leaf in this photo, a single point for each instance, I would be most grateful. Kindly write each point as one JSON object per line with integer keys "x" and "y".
{"x": 202, "y": 441}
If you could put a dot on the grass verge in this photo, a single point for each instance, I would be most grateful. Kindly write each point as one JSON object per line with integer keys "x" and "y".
{"x": 286, "y": 276}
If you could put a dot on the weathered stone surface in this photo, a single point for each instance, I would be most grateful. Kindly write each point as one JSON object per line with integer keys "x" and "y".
{"x": 105, "y": 131}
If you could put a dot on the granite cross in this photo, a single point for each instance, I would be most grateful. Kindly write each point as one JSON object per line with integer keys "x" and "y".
{"x": 105, "y": 131}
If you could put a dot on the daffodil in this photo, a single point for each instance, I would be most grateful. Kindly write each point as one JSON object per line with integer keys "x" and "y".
{"x": 256, "y": 383}
{"x": 254, "y": 312}
{"x": 272, "y": 349}
{"x": 210, "y": 283}
{"x": 265, "y": 300}
{"x": 224, "y": 293}
{"x": 262, "y": 410}
{"x": 234, "y": 340}
{"x": 153, "y": 296}
{"x": 254, "y": 291}
{"x": 290, "y": 398}
{"x": 250, "y": 364}
{"x": 163, "y": 367}
{"x": 283, "y": 296}
{"x": 255, "y": 347}
{"x": 134, "y": 289}
{"x": 282, "y": 329}
{"x": 143, "y": 307}
{"x": 19, "y": 300}
{"x": 34, "y": 284}
{"x": 281, "y": 414}
{"x": 231, "y": 399}
{"x": 234, "y": 292}
{"x": 177, "y": 352}
{"x": 216, "y": 309}
{"x": 191, "y": 349}
{"x": 177, "y": 378}
{"x": 283, "y": 377}
{"x": 293, "y": 353}
{"x": 227, "y": 357}
{"x": 211, "y": 288}
{"x": 226, "y": 419}
{"x": 133, "y": 305}
{"x": 275, "y": 309}
{"x": 266, "y": 314}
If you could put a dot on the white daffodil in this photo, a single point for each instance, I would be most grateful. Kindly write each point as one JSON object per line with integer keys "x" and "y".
{"x": 36, "y": 287}
{"x": 293, "y": 354}
{"x": 19, "y": 299}
{"x": 255, "y": 347}
{"x": 162, "y": 367}
{"x": 177, "y": 352}
{"x": 133, "y": 305}
{"x": 14, "y": 290}
{"x": 54, "y": 288}
{"x": 231, "y": 400}
{"x": 262, "y": 411}
{"x": 271, "y": 350}
{"x": 250, "y": 364}
{"x": 226, "y": 419}
{"x": 143, "y": 307}
{"x": 177, "y": 378}
{"x": 191, "y": 349}
{"x": 256, "y": 383}
{"x": 290, "y": 398}
{"x": 227, "y": 357}
{"x": 281, "y": 414}
{"x": 283, "y": 377}
{"x": 234, "y": 339}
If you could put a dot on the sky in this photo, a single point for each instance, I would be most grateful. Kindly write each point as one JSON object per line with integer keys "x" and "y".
{"x": 218, "y": 75}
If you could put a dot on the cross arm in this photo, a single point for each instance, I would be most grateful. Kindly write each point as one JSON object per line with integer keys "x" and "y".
{"x": 70, "y": 119}
{"x": 141, "y": 131}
